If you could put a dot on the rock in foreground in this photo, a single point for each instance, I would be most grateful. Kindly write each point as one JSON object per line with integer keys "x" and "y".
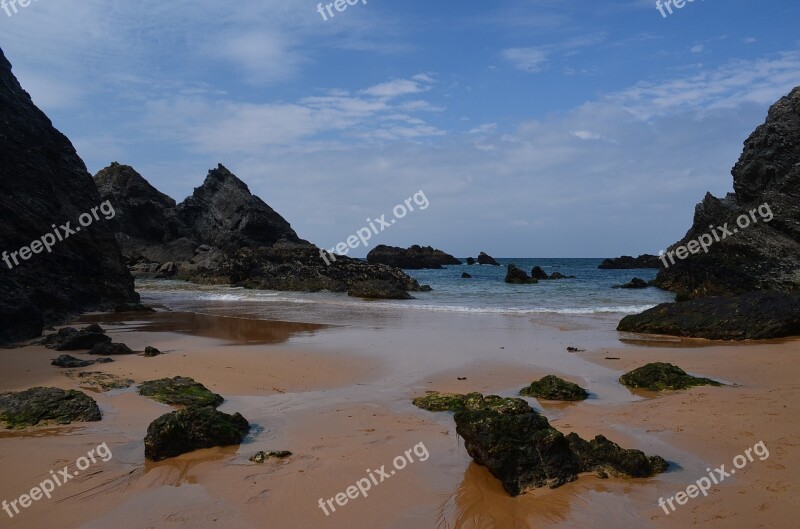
{"x": 71, "y": 339}
{"x": 660, "y": 376}
{"x": 180, "y": 391}
{"x": 553, "y": 388}
{"x": 750, "y": 316}
{"x": 191, "y": 429}
{"x": 414, "y": 258}
{"x": 46, "y": 405}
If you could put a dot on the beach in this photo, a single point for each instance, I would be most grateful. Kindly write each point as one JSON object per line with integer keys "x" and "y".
{"x": 338, "y": 396}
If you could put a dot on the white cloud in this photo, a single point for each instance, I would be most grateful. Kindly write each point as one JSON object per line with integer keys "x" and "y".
{"x": 530, "y": 60}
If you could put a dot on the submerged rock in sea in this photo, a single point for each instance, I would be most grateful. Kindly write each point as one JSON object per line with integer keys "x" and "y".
{"x": 627, "y": 262}
{"x": 377, "y": 289}
{"x": 521, "y": 449}
{"x": 413, "y": 258}
{"x": 180, "y": 391}
{"x": 634, "y": 283}
{"x": 750, "y": 316}
{"x": 486, "y": 259}
{"x": 46, "y": 405}
{"x": 518, "y": 276}
{"x": 553, "y": 388}
{"x": 465, "y": 275}
{"x": 660, "y": 376}
{"x": 190, "y": 429}
{"x": 71, "y": 339}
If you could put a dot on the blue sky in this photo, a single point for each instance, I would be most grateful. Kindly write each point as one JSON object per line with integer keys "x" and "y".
{"x": 542, "y": 128}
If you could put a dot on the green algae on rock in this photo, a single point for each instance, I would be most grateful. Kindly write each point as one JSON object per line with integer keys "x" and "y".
{"x": 660, "y": 376}
{"x": 260, "y": 457}
{"x": 435, "y": 401}
{"x": 46, "y": 405}
{"x": 553, "y": 388}
{"x": 180, "y": 391}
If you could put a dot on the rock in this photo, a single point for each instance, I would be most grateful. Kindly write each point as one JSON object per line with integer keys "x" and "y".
{"x": 466, "y": 276}
{"x": 413, "y": 258}
{"x": 521, "y": 449}
{"x": 575, "y": 350}
{"x": 470, "y": 261}
{"x": 192, "y": 429}
{"x": 68, "y": 361}
{"x": 634, "y": 283}
{"x": 260, "y": 457}
{"x": 660, "y": 376}
{"x": 111, "y": 349}
{"x": 559, "y": 275}
{"x": 45, "y": 182}
{"x": 765, "y": 255}
{"x": 98, "y": 380}
{"x": 538, "y": 273}
{"x": 70, "y": 339}
{"x": 435, "y": 401}
{"x": 750, "y": 316}
{"x": 103, "y": 361}
{"x": 46, "y": 405}
{"x": 553, "y": 388}
{"x": 376, "y": 289}
{"x": 486, "y": 259}
{"x": 132, "y": 307}
{"x": 180, "y": 391}
{"x": 626, "y": 262}
{"x": 150, "y": 352}
{"x": 518, "y": 276}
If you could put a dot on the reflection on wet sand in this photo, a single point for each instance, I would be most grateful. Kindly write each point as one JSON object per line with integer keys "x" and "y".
{"x": 232, "y": 330}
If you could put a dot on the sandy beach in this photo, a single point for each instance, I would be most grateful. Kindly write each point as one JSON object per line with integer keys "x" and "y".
{"x": 339, "y": 397}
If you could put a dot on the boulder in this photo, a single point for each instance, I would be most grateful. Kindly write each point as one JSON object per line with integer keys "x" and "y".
{"x": 486, "y": 259}
{"x": 470, "y": 261}
{"x": 67, "y": 361}
{"x": 180, "y": 391}
{"x": 750, "y": 316}
{"x": 260, "y": 457}
{"x": 559, "y": 275}
{"x": 111, "y": 349}
{"x": 660, "y": 376}
{"x": 46, "y": 405}
{"x": 192, "y": 429}
{"x": 71, "y": 339}
{"x": 376, "y": 289}
{"x": 553, "y": 388}
{"x": 435, "y": 401}
{"x": 414, "y": 258}
{"x": 634, "y": 283}
{"x": 627, "y": 262}
{"x": 518, "y": 276}
{"x": 607, "y": 458}
{"x": 466, "y": 276}
{"x": 151, "y": 352}
{"x": 538, "y": 273}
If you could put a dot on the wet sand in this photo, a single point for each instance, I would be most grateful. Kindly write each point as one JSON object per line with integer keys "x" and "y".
{"x": 338, "y": 397}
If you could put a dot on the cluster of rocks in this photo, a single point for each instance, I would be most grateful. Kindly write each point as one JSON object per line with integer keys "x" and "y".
{"x": 522, "y": 450}
{"x": 517, "y": 276}
{"x": 483, "y": 259}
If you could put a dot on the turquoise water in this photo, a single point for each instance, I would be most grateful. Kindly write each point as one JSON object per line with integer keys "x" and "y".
{"x": 590, "y": 292}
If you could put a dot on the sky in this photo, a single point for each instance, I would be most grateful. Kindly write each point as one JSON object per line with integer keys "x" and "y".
{"x": 535, "y": 128}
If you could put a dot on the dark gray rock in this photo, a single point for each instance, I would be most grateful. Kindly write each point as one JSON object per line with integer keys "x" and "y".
{"x": 634, "y": 283}
{"x": 518, "y": 276}
{"x": 413, "y": 258}
{"x": 111, "y": 349}
{"x": 486, "y": 259}
{"x": 180, "y": 391}
{"x": 71, "y": 339}
{"x": 151, "y": 352}
{"x": 377, "y": 289}
{"x": 626, "y": 262}
{"x": 46, "y": 405}
{"x": 69, "y": 362}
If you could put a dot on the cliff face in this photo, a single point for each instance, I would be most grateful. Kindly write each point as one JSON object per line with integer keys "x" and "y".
{"x": 44, "y": 182}
{"x": 764, "y": 253}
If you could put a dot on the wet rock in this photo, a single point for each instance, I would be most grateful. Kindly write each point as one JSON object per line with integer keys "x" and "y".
{"x": 750, "y": 316}
{"x": 486, "y": 259}
{"x": 111, "y": 349}
{"x": 559, "y": 275}
{"x": 69, "y": 362}
{"x": 414, "y": 258}
{"x": 46, "y": 405}
{"x": 538, "y": 273}
{"x": 626, "y": 262}
{"x": 180, "y": 391}
{"x": 435, "y": 401}
{"x": 607, "y": 458}
{"x": 471, "y": 261}
{"x": 376, "y": 289}
{"x": 132, "y": 307}
{"x": 70, "y": 339}
{"x": 553, "y": 388}
{"x": 100, "y": 381}
{"x": 634, "y": 283}
{"x": 190, "y": 429}
{"x": 151, "y": 352}
{"x": 466, "y": 276}
{"x": 518, "y": 276}
{"x": 260, "y": 457}
{"x": 660, "y": 376}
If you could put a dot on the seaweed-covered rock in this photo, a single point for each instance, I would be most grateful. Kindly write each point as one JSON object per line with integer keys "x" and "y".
{"x": 260, "y": 457}
{"x": 151, "y": 352}
{"x": 553, "y": 388}
{"x": 67, "y": 361}
{"x": 98, "y": 380}
{"x": 377, "y": 289}
{"x": 660, "y": 376}
{"x": 435, "y": 401}
{"x": 607, "y": 458}
{"x": 111, "y": 349}
{"x": 46, "y": 405}
{"x": 180, "y": 391}
{"x": 191, "y": 429}
{"x": 486, "y": 259}
{"x": 751, "y": 316}
{"x": 517, "y": 276}
{"x": 71, "y": 339}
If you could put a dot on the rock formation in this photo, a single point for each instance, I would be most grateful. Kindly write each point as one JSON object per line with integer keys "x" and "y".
{"x": 517, "y": 276}
{"x": 486, "y": 259}
{"x": 414, "y": 258}
{"x": 626, "y": 262}
{"x": 44, "y": 182}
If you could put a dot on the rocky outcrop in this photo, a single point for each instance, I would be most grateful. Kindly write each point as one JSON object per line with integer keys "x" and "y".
{"x": 70, "y": 362}
{"x": 486, "y": 259}
{"x": 46, "y": 405}
{"x": 414, "y": 258}
{"x": 111, "y": 349}
{"x": 180, "y": 391}
{"x": 376, "y": 289}
{"x": 44, "y": 182}
{"x": 192, "y": 429}
{"x": 636, "y": 282}
{"x": 553, "y": 388}
{"x": 71, "y": 339}
{"x": 660, "y": 376}
{"x": 750, "y": 316}
{"x": 627, "y": 262}
{"x": 517, "y": 276}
